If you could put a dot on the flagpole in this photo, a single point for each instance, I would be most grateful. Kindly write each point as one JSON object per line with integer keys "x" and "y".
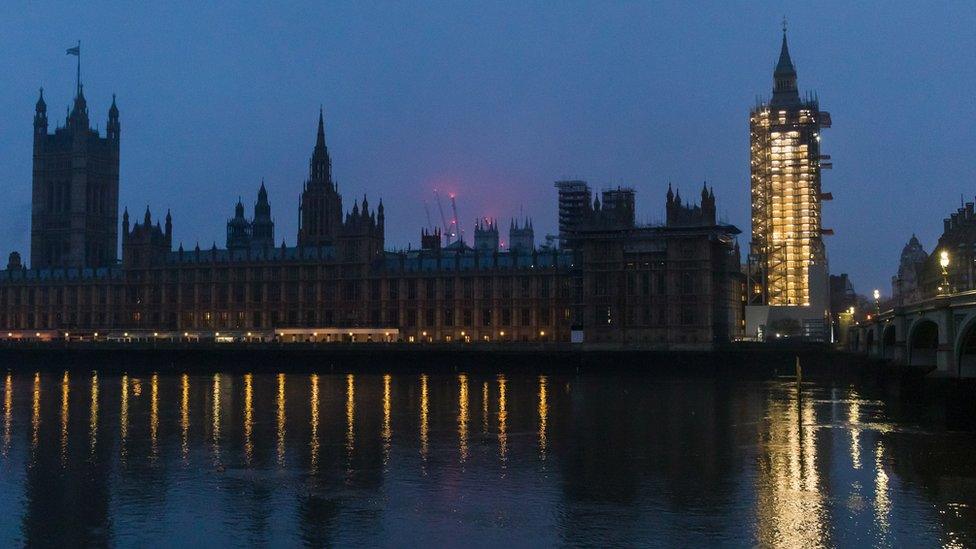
{"x": 78, "y": 77}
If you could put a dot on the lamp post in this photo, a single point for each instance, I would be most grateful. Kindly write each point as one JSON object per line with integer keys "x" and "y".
{"x": 944, "y": 262}
{"x": 877, "y": 301}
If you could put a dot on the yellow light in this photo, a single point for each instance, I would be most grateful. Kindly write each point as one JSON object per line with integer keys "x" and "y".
{"x": 186, "y": 334}
{"x": 542, "y": 333}
{"x": 125, "y": 334}
{"x": 944, "y": 259}
{"x": 10, "y": 334}
{"x": 249, "y": 334}
{"x": 462, "y": 332}
{"x": 503, "y": 334}
{"x": 66, "y": 334}
{"x": 96, "y": 334}
{"x": 852, "y": 310}
{"x": 155, "y": 334}
{"x": 424, "y": 334}
{"x": 314, "y": 334}
{"x": 217, "y": 334}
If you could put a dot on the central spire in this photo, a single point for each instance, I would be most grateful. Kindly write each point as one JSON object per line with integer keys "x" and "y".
{"x": 785, "y": 92}
{"x": 320, "y": 169}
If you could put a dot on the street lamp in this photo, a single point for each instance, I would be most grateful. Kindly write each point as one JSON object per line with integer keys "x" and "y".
{"x": 944, "y": 262}
{"x": 877, "y": 301}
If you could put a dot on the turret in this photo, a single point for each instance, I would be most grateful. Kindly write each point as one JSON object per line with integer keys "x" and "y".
{"x": 262, "y": 228}
{"x": 40, "y": 116}
{"x": 169, "y": 227}
{"x": 113, "y": 129}
{"x": 125, "y": 224}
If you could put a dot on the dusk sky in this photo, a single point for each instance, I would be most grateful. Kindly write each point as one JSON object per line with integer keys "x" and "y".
{"x": 495, "y": 101}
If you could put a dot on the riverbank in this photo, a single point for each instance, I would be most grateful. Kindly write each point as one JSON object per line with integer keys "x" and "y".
{"x": 746, "y": 359}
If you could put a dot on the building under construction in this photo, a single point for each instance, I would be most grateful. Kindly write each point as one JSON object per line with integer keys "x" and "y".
{"x": 788, "y": 262}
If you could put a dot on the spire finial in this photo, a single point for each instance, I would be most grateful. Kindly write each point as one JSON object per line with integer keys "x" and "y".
{"x": 784, "y": 24}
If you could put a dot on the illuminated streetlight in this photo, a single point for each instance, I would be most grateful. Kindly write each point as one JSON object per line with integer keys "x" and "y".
{"x": 944, "y": 262}
{"x": 877, "y": 301}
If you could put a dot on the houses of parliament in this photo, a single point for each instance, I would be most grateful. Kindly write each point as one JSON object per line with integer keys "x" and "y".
{"x": 610, "y": 280}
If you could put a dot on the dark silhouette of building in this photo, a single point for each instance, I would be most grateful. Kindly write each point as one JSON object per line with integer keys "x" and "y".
{"x": 257, "y": 233}
{"x": 320, "y": 208}
{"x": 486, "y": 235}
{"x": 911, "y": 265}
{"x": 74, "y": 211}
{"x": 676, "y": 284}
{"x": 574, "y": 199}
{"x": 521, "y": 235}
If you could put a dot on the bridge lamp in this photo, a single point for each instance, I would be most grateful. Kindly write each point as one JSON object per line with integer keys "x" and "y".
{"x": 944, "y": 262}
{"x": 877, "y": 300}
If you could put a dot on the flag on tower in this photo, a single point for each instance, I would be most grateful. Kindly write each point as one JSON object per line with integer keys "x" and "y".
{"x": 74, "y": 51}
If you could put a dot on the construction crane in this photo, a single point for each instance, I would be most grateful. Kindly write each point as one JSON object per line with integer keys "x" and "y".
{"x": 446, "y": 228}
{"x": 459, "y": 232}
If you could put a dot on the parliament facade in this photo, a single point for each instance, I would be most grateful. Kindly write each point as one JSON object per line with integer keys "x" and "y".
{"x": 611, "y": 281}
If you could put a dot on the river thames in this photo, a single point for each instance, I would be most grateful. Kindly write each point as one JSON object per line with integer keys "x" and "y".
{"x": 477, "y": 460}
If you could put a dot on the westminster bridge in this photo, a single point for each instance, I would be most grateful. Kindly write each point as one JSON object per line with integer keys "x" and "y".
{"x": 938, "y": 334}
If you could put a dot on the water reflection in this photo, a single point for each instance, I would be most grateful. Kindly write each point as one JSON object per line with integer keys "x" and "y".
{"x": 387, "y": 433}
{"x": 124, "y": 417}
{"x": 463, "y": 416}
{"x": 281, "y": 416}
{"x": 424, "y": 410}
{"x": 185, "y": 417}
{"x": 93, "y": 416}
{"x": 314, "y": 424}
{"x": 8, "y": 397}
{"x": 215, "y": 426}
{"x": 543, "y": 415}
{"x": 65, "y": 388}
{"x": 248, "y": 418}
{"x": 502, "y": 421}
{"x": 614, "y": 461}
{"x": 154, "y": 417}
{"x": 791, "y": 509}
{"x": 854, "y": 417}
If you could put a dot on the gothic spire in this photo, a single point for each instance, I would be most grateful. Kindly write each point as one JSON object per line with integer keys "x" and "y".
{"x": 785, "y": 92}
{"x": 320, "y": 170}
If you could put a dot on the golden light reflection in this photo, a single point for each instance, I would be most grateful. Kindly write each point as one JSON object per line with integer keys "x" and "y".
{"x": 8, "y": 395}
{"x": 154, "y": 416}
{"x": 185, "y": 416}
{"x": 35, "y": 413}
{"x": 463, "y": 416}
{"x": 215, "y": 427}
{"x": 93, "y": 415}
{"x": 484, "y": 408}
{"x": 65, "y": 389}
{"x": 387, "y": 433}
{"x": 248, "y": 418}
{"x": 854, "y": 418}
{"x": 124, "y": 416}
{"x": 882, "y": 499}
{"x": 543, "y": 415}
{"x": 350, "y": 415}
{"x": 424, "y": 410}
{"x": 502, "y": 421}
{"x": 281, "y": 420}
{"x": 790, "y": 504}
{"x": 314, "y": 425}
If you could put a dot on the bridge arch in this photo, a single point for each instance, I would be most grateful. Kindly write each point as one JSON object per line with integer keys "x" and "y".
{"x": 888, "y": 342}
{"x": 966, "y": 348}
{"x": 869, "y": 341}
{"x": 923, "y": 343}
